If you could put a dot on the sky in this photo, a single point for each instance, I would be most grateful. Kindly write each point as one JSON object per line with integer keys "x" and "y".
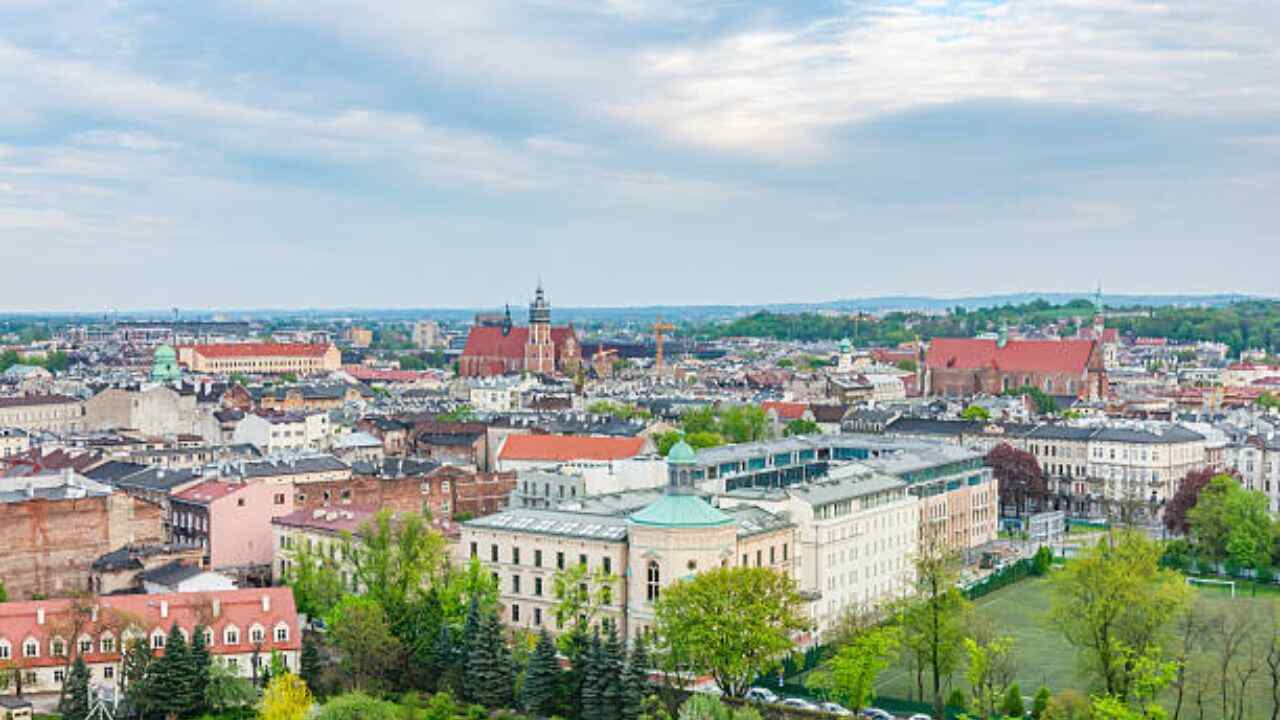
{"x": 325, "y": 153}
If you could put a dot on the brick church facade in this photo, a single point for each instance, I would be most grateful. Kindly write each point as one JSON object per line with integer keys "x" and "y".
{"x": 503, "y": 348}
{"x": 961, "y": 367}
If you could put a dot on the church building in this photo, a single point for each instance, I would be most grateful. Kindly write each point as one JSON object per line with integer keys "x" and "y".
{"x": 502, "y": 348}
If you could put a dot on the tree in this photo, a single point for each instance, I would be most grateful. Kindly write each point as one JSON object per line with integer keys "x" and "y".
{"x": 732, "y": 623}
{"x": 490, "y": 673}
{"x": 801, "y": 427}
{"x": 1019, "y": 474}
{"x": 1113, "y": 604}
{"x": 540, "y": 694}
{"x": 1067, "y": 705}
{"x": 635, "y": 681}
{"x": 138, "y": 658}
{"x": 1040, "y": 703}
{"x": 74, "y": 704}
{"x": 1044, "y": 403}
{"x": 316, "y": 583}
{"x": 1175, "y": 511}
{"x": 358, "y": 706}
{"x": 976, "y": 413}
{"x": 170, "y": 685}
{"x": 592, "y": 693}
{"x": 368, "y": 651}
{"x": 1231, "y": 524}
{"x": 286, "y": 698}
{"x": 226, "y": 691}
{"x": 990, "y": 670}
{"x": 4, "y": 594}
{"x": 850, "y": 676}
{"x": 612, "y": 664}
{"x": 933, "y": 621}
{"x": 395, "y": 558}
{"x": 310, "y": 665}
{"x": 1012, "y": 707}
{"x": 581, "y": 594}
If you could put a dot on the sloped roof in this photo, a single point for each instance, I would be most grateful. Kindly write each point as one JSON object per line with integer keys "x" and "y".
{"x": 679, "y": 510}
{"x": 488, "y": 341}
{"x": 228, "y": 350}
{"x": 563, "y": 448}
{"x": 1060, "y": 356}
{"x": 785, "y": 410}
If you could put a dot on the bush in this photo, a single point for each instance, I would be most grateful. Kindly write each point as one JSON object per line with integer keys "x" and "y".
{"x": 1042, "y": 561}
{"x": 357, "y": 706}
{"x": 703, "y": 707}
{"x": 1067, "y": 705}
{"x": 1012, "y": 706}
{"x": 957, "y": 699}
{"x": 1041, "y": 702}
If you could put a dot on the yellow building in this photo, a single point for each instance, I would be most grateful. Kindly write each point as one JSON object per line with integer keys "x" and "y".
{"x": 261, "y": 358}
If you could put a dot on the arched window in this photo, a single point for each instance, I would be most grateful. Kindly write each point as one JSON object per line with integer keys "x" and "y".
{"x": 85, "y": 645}
{"x": 282, "y": 632}
{"x": 6, "y": 650}
{"x": 107, "y": 644}
{"x": 208, "y": 637}
{"x": 31, "y": 648}
{"x": 157, "y": 640}
{"x": 231, "y": 635}
{"x": 58, "y": 647}
{"x": 257, "y": 634}
{"x": 654, "y": 581}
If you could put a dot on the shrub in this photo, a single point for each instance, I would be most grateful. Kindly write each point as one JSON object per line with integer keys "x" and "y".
{"x": 1012, "y": 706}
{"x": 1041, "y": 702}
{"x": 956, "y": 699}
{"x": 703, "y": 707}
{"x": 357, "y": 706}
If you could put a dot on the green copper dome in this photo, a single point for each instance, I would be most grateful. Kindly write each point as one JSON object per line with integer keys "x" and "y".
{"x": 165, "y": 353}
{"x": 681, "y": 511}
{"x": 846, "y": 347}
{"x": 681, "y": 454}
{"x": 164, "y": 367}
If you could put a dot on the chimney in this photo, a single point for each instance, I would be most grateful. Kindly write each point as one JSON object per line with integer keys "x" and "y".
{"x": 164, "y": 608}
{"x": 39, "y": 616}
{"x": 266, "y": 603}
{"x": 217, "y": 607}
{"x": 94, "y": 614}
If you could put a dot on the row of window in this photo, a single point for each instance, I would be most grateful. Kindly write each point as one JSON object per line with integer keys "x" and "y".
{"x": 107, "y": 643}
{"x": 606, "y": 562}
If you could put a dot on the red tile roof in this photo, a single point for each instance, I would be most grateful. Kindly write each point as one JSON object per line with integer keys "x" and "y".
{"x": 209, "y": 491}
{"x": 240, "y": 608}
{"x": 563, "y": 448}
{"x": 488, "y": 341}
{"x": 27, "y": 400}
{"x": 786, "y": 410}
{"x": 360, "y": 372}
{"x": 1058, "y": 356}
{"x": 258, "y": 349}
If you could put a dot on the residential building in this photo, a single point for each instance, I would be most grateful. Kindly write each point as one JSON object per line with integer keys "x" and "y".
{"x": 54, "y": 413}
{"x": 426, "y": 334}
{"x": 157, "y": 410}
{"x": 231, "y": 521}
{"x": 327, "y": 534}
{"x": 242, "y": 627}
{"x": 606, "y": 464}
{"x": 273, "y": 432}
{"x": 13, "y": 441}
{"x": 53, "y": 526}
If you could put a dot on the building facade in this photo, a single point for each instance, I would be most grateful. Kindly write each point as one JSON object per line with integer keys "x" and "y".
{"x": 261, "y": 358}
{"x": 962, "y": 367}
{"x": 502, "y": 348}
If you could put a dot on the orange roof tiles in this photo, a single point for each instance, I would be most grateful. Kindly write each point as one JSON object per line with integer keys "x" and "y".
{"x": 1060, "y": 356}
{"x": 259, "y": 349}
{"x": 786, "y": 410}
{"x": 562, "y": 448}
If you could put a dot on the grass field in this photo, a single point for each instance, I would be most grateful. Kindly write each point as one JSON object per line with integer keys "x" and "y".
{"x": 1043, "y": 656}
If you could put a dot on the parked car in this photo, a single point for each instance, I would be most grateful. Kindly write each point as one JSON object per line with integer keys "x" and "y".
{"x": 876, "y": 714}
{"x": 798, "y": 704}
{"x": 761, "y": 695}
{"x": 920, "y": 716}
{"x": 835, "y": 709}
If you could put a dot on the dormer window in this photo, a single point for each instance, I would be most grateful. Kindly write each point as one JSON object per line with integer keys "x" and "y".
{"x": 257, "y": 634}
{"x": 282, "y": 633}
{"x": 31, "y": 648}
{"x": 157, "y": 640}
{"x": 231, "y": 635}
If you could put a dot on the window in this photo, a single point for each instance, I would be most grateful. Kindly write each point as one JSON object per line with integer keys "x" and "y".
{"x": 582, "y": 559}
{"x": 653, "y": 581}
{"x": 58, "y": 676}
{"x": 537, "y": 558}
{"x": 537, "y": 616}
{"x": 537, "y": 586}
{"x": 58, "y": 648}
{"x": 515, "y": 613}
{"x": 475, "y": 551}
{"x": 784, "y": 552}
{"x": 157, "y": 640}
{"x": 257, "y": 634}
{"x": 759, "y": 558}
{"x": 607, "y": 564}
{"x": 772, "y": 559}
{"x": 208, "y": 637}
{"x": 108, "y": 672}
{"x": 231, "y": 636}
{"x": 86, "y": 645}
{"x": 515, "y": 555}
{"x": 279, "y": 499}
{"x": 559, "y": 561}
{"x": 239, "y": 502}
{"x": 515, "y": 584}
{"x": 493, "y": 553}
{"x": 282, "y": 633}
{"x": 5, "y": 650}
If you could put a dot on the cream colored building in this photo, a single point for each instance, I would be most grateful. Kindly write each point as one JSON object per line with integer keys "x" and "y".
{"x": 155, "y": 410}
{"x": 325, "y": 533}
{"x": 13, "y": 441}
{"x": 54, "y": 413}
{"x": 261, "y": 358}
{"x": 670, "y": 539}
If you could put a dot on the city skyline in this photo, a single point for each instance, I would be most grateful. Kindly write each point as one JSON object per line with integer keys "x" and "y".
{"x": 632, "y": 152}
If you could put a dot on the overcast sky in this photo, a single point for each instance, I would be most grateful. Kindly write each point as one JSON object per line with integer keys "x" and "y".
{"x": 303, "y": 153}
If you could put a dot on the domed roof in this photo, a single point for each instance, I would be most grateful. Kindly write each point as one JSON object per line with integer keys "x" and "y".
{"x": 688, "y": 511}
{"x": 846, "y": 347}
{"x": 681, "y": 454}
{"x": 165, "y": 353}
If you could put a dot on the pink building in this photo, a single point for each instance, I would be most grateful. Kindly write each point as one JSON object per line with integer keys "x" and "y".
{"x": 231, "y": 520}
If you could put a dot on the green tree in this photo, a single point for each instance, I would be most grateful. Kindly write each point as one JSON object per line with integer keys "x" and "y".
{"x": 1040, "y": 703}
{"x": 581, "y": 594}
{"x": 1231, "y": 524}
{"x": 731, "y": 623}
{"x": 197, "y": 669}
{"x": 490, "y": 673}
{"x": 1113, "y": 604}
{"x": 315, "y": 581}
{"x": 592, "y": 692}
{"x": 801, "y": 427}
{"x": 933, "y": 622}
{"x": 612, "y": 668}
{"x": 1012, "y": 706}
{"x": 358, "y": 706}
{"x": 976, "y": 413}
{"x": 4, "y": 594}
{"x": 310, "y": 666}
{"x": 170, "y": 684}
{"x": 136, "y": 669}
{"x": 461, "y": 587}
{"x": 989, "y": 670}
{"x": 367, "y": 649}
{"x": 636, "y": 681}
{"x": 226, "y": 691}
{"x": 75, "y": 696}
{"x": 850, "y": 676}
{"x": 395, "y": 559}
{"x": 541, "y": 690}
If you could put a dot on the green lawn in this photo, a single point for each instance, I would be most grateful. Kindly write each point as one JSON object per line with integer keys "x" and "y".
{"x": 1044, "y": 657}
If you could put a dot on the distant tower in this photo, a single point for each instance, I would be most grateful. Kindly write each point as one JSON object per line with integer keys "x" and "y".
{"x": 539, "y": 351}
{"x": 845, "y": 364}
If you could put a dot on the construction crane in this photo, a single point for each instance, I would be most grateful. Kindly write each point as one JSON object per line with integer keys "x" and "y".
{"x": 659, "y": 328}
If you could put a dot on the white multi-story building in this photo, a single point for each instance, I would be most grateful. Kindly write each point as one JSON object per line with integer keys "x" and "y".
{"x": 1257, "y": 461}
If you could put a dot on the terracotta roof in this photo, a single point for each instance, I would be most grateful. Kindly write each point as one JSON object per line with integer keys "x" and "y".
{"x": 786, "y": 410}
{"x": 1061, "y": 356}
{"x": 227, "y": 350}
{"x": 335, "y": 521}
{"x": 36, "y": 400}
{"x": 240, "y": 608}
{"x": 209, "y": 491}
{"x": 570, "y": 447}
{"x": 361, "y": 372}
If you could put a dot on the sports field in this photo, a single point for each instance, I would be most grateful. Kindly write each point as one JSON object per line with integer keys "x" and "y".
{"x": 1043, "y": 656}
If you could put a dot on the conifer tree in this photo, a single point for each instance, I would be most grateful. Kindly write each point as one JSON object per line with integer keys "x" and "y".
{"x": 612, "y": 664}
{"x": 198, "y": 662}
{"x": 542, "y": 679}
{"x": 310, "y": 665}
{"x": 474, "y": 652}
{"x": 502, "y": 687}
{"x": 138, "y": 659}
{"x": 592, "y": 679}
{"x": 576, "y": 645}
{"x": 635, "y": 685}
{"x": 420, "y": 634}
{"x": 75, "y": 695}
{"x": 169, "y": 685}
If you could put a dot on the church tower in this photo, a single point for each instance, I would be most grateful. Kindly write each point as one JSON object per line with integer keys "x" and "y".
{"x": 540, "y": 351}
